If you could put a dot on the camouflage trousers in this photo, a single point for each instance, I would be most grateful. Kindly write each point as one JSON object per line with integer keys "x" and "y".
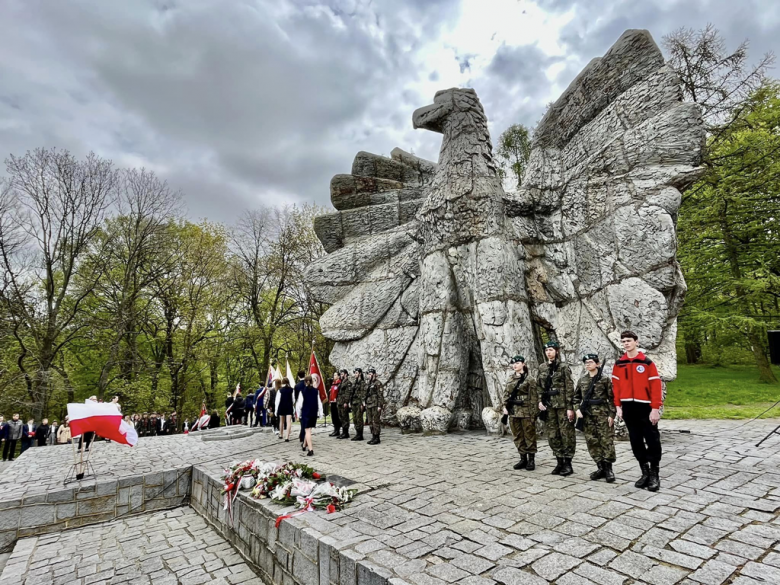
{"x": 524, "y": 434}
{"x": 358, "y": 416}
{"x": 600, "y": 437}
{"x": 344, "y": 418}
{"x": 560, "y": 433}
{"x": 374, "y": 419}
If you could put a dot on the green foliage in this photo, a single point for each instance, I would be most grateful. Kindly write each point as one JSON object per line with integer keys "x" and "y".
{"x": 719, "y": 392}
{"x": 513, "y": 151}
{"x": 729, "y": 224}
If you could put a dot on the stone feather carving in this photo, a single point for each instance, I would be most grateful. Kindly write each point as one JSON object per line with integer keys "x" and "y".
{"x": 436, "y": 276}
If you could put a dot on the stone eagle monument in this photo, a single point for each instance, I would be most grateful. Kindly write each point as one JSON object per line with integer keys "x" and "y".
{"x": 436, "y": 276}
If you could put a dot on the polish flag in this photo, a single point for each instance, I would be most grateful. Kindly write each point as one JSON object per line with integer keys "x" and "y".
{"x": 316, "y": 375}
{"x": 102, "y": 418}
{"x": 203, "y": 419}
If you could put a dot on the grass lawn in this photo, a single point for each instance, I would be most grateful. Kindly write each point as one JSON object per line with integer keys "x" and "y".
{"x": 720, "y": 392}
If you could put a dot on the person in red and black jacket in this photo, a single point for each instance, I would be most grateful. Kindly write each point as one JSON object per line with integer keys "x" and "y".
{"x": 638, "y": 399}
{"x": 334, "y": 410}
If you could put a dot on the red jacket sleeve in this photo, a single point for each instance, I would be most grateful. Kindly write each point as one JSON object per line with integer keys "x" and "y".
{"x": 656, "y": 392}
{"x": 617, "y": 385}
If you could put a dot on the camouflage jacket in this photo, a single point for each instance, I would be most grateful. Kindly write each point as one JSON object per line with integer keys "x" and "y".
{"x": 345, "y": 391}
{"x": 601, "y": 392}
{"x": 526, "y": 393}
{"x": 357, "y": 392}
{"x": 562, "y": 389}
{"x": 375, "y": 394}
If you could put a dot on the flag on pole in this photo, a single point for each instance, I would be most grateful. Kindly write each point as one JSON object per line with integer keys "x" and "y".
{"x": 290, "y": 376}
{"x": 277, "y": 373}
{"x": 316, "y": 374}
{"x": 270, "y": 377}
{"x": 203, "y": 419}
{"x": 102, "y": 418}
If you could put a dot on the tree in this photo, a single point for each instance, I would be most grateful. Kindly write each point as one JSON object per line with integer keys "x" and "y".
{"x": 730, "y": 228}
{"x": 513, "y": 151}
{"x": 51, "y": 208}
{"x": 717, "y": 79}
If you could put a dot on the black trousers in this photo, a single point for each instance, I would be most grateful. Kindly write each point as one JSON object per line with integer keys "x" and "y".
{"x": 334, "y": 416}
{"x": 9, "y": 449}
{"x": 644, "y": 435}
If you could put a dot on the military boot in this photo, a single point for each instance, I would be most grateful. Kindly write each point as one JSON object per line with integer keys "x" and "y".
{"x": 378, "y": 441}
{"x": 608, "y": 473}
{"x": 557, "y": 470}
{"x": 531, "y": 462}
{"x": 344, "y": 435}
{"x": 373, "y": 440}
{"x": 654, "y": 482}
{"x": 358, "y": 437}
{"x": 600, "y": 473}
{"x": 566, "y": 469}
{"x": 523, "y": 463}
{"x": 641, "y": 483}
{"x": 335, "y": 433}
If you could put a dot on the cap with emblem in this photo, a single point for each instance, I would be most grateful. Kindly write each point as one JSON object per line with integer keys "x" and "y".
{"x": 371, "y": 371}
{"x": 591, "y": 356}
{"x": 357, "y": 371}
{"x": 553, "y": 344}
{"x": 517, "y": 358}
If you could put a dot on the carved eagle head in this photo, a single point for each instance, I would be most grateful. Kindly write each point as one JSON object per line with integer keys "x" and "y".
{"x": 446, "y": 103}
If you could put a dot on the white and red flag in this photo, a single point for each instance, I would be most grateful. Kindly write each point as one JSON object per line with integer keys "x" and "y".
{"x": 316, "y": 375}
{"x": 102, "y": 418}
{"x": 203, "y": 419}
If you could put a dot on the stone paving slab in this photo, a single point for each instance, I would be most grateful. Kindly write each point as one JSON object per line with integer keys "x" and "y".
{"x": 161, "y": 548}
{"x": 450, "y": 509}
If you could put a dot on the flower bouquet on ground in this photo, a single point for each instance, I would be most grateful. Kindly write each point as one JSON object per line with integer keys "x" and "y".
{"x": 284, "y": 483}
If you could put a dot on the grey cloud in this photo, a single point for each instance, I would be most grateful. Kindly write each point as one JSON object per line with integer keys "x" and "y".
{"x": 238, "y": 103}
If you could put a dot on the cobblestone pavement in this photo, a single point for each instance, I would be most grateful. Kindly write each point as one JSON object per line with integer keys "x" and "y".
{"x": 450, "y": 509}
{"x": 163, "y": 548}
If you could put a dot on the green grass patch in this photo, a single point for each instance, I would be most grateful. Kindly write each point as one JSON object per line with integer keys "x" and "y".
{"x": 726, "y": 392}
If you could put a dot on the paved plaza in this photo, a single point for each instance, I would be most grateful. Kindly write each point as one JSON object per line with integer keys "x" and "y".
{"x": 450, "y": 509}
{"x": 161, "y": 548}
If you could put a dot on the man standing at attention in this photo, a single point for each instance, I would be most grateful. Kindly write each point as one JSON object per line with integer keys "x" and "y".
{"x": 638, "y": 399}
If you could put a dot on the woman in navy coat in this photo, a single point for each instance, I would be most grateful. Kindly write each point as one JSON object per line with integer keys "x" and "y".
{"x": 309, "y": 408}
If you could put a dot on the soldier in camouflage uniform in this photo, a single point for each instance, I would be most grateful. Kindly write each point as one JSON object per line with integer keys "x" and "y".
{"x": 342, "y": 403}
{"x": 375, "y": 402}
{"x": 596, "y": 408}
{"x": 557, "y": 401}
{"x": 520, "y": 405}
{"x": 357, "y": 399}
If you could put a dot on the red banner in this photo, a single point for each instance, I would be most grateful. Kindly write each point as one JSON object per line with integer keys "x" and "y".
{"x": 317, "y": 380}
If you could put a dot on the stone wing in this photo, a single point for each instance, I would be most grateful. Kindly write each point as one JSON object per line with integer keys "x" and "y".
{"x": 370, "y": 274}
{"x": 597, "y": 208}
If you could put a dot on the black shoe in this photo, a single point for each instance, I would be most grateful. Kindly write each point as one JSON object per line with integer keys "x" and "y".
{"x": 281, "y": 437}
{"x": 557, "y": 470}
{"x": 374, "y": 440}
{"x": 310, "y": 454}
{"x": 608, "y": 473}
{"x": 303, "y": 447}
{"x": 531, "y": 462}
{"x": 566, "y": 470}
{"x": 344, "y": 436}
{"x": 641, "y": 483}
{"x": 287, "y": 440}
{"x": 334, "y": 433}
{"x": 654, "y": 482}
{"x": 358, "y": 437}
{"x": 600, "y": 473}
{"x": 523, "y": 463}
{"x": 377, "y": 440}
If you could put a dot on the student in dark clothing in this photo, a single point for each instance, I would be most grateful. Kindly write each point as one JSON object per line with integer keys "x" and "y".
{"x": 299, "y": 387}
{"x": 309, "y": 408}
{"x": 28, "y": 434}
{"x": 284, "y": 407}
{"x": 237, "y": 413}
{"x": 12, "y": 433}
{"x": 214, "y": 420}
{"x": 42, "y": 433}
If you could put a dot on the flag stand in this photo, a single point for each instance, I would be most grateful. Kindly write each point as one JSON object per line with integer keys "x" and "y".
{"x": 81, "y": 467}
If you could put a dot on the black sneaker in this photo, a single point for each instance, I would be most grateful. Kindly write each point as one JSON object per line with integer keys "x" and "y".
{"x": 310, "y": 454}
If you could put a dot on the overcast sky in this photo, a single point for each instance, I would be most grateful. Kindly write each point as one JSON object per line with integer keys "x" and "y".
{"x": 244, "y": 103}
